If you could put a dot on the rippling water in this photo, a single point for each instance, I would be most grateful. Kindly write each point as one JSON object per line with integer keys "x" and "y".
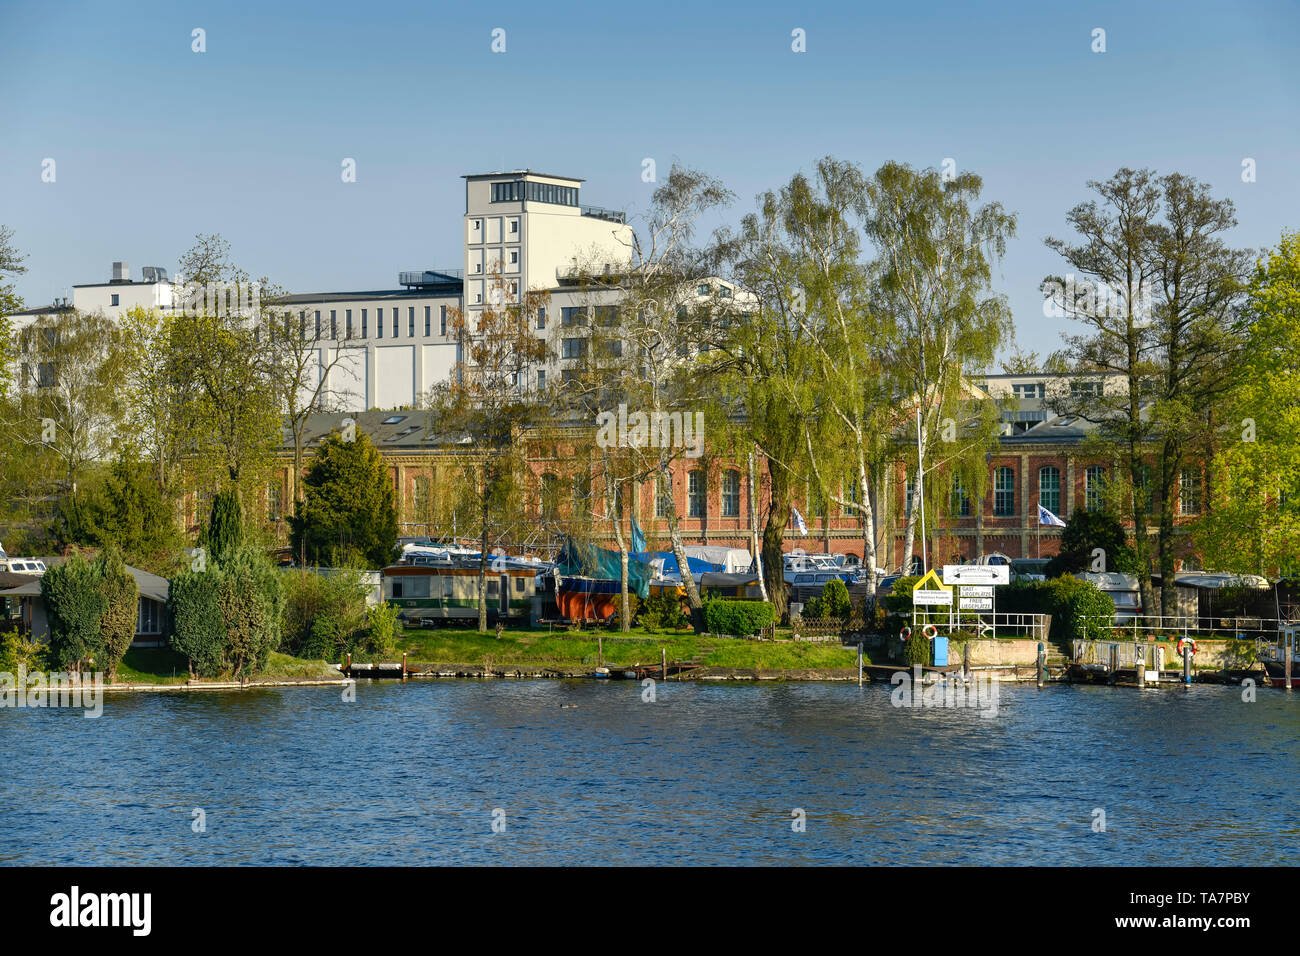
{"x": 411, "y": 774}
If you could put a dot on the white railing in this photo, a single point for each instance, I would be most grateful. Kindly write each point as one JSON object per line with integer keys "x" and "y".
{"x": 1149, "y": 626}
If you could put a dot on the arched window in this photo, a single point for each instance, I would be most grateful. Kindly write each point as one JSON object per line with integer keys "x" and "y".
{"x": 1004, "y": 491}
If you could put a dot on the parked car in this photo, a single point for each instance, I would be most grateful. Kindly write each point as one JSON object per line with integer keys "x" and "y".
{"x": 1029, "y": 569}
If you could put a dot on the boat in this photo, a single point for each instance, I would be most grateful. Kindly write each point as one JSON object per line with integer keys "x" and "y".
{"x": 1273, "y": 657}
{"x": 588, "y": 581}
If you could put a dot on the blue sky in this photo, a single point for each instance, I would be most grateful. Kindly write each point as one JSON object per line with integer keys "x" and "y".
{"x": 154, "y": 143}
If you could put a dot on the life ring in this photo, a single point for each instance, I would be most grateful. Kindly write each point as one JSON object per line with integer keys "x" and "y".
{"x": 930, "y": 631}
{"x": 905, "y": 633}
{"x": 1184, "y": 642}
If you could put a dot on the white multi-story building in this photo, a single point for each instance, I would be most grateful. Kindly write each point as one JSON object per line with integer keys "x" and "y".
{"x": 384, "y": 349}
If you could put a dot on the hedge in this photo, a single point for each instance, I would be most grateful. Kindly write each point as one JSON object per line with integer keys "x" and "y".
{"x": 741, "y": 618}
{"x": 1067, "y": 599}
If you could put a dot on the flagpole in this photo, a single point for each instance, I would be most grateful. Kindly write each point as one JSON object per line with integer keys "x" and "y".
{"x": 1038, "y": 545}
{"x": 920, "y": 491}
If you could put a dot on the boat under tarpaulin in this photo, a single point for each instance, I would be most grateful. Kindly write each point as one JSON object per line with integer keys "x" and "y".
{"x": 588, "y": 588}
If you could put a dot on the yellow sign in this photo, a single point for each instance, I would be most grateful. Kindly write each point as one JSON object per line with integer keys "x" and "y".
{"x": 931, "y": 582}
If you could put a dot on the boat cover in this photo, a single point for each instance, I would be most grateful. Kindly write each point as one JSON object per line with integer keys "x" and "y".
{"x": 583, "y": 559}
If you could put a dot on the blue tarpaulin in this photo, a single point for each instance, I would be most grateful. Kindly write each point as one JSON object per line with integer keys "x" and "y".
{"x": 583, "y": 559}
{"x": 698, "y": 566}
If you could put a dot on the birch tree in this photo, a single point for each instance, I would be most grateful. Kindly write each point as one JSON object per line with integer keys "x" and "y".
{"x": 934, "y": 253}
{"x": 490, "y": 399}
{"x": 666, "y": 332}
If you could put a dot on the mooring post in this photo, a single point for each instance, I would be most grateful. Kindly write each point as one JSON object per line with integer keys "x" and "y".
{"x": 1042, "y": 660}
{"x": 1140, "y": 661}
{"x": 1289, "y": 650}
{"x": 403, "y": 665}
{"x": 1114, "y": 662}
{"x": 348, "y": 671}
{"x": 965, "y": 661}
{"x": 859, "y": 663}
{"x": 1187, "y": 664}
{"x": 663, "y": 663}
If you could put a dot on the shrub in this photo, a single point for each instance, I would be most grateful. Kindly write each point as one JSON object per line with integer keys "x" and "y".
{"x": 1068, "y": 600}
{"x": 383, "y": 626}
{"x": 897, "y": 604}
{"x": 741, "y": 618}
{"x": 834, "y": 601}
{"x": 661, "y": 612}
{"x": 74, "y": 606}
{"x": 16, "y": 651}
{"x": 325, "y": 616}
{"x": 224, "y": 534}
{"x": 227, "y": 618}
{"x": 121, "y": 607}
{"x": 197, "y": 629}
{"x": 917, "y": 649}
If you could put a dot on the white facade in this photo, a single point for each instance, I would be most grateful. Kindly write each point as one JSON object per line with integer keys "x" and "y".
{"x": 527, "y": 228}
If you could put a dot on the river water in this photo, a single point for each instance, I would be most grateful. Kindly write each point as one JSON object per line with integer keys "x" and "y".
{"x": 586, "y": 772}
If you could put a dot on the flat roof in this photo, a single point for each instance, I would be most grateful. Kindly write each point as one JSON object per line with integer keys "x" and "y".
{"x": 104, "y": 285}
{"x": 452, "y": 291}
{"x": 521, "y": 172}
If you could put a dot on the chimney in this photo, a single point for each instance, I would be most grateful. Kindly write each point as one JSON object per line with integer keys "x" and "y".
{"x": 121, "y": 272}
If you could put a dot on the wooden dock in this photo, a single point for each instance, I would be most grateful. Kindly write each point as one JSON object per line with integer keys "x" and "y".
{"x": 379, "y": 671}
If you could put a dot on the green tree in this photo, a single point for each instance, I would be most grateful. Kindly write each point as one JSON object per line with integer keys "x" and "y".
{"x": 74, "y": 605}
{"x": 198, "y": 629}
{"x": 124, "y": 505}
{"x": 224, "y": 346}
{"x": 934, "y": 253}
{"x": 224, "y": 535}
{"x": 121, "y": 606}
{"x": 251, "y": 602}
{"x": 1253, "y": 523}
{"x": 1085, "y": 531}
{"x": 1156, "y": 291}
{"x": 11, "y": 264}
{"x": 324, "y": 614}
{"x": 69, "y": 419}
{"x": 489, "y": 398}
{"x": 347, "y": 504}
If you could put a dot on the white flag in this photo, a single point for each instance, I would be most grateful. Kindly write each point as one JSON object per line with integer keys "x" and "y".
{"x": 1047, "y": 518}
{"x": 798, "y": 520}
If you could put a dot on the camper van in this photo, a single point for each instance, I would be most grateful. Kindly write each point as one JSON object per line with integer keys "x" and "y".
{"x": 1123, "y": 590}
{"x": 433, "y": 586}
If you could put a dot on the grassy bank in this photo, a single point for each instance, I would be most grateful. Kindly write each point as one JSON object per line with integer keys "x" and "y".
{"x": 526, "y": 647}
{"x": 162, "y": 665}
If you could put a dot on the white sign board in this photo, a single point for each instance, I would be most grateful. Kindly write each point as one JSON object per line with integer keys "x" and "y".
{"x": 976, "y": 574}
{"x": 977, "y": 590}
{"x": 977, "y": 604}
{"x": 931, "y": 597}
